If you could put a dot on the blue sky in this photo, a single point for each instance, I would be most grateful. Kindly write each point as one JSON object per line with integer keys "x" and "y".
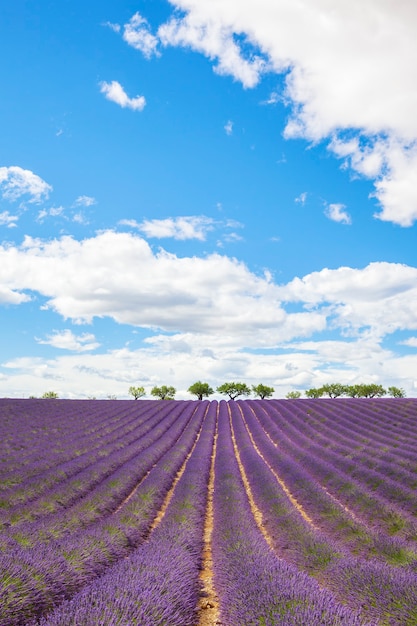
{"x": 211, "y": 190}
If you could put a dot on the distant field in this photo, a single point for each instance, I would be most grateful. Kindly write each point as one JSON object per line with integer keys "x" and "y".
{"x": 181, "y": 513}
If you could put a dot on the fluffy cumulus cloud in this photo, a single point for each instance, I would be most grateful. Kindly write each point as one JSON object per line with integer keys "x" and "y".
{"x": 412, "y": 342}
{"x": 214, "y": 37}
{"x": 349, "y": 68}
{"x": 337, "y": 213}
{"x": 138, "y": 35}
{"x": 7, "y": 219}
{"x": 115, "y": 93}
{"x": 393, "y": 164}
{"x": 213, "y": 295}
{"x": 117, "y": 275}
{"x": 67, "y": 340}
{"x": 11, "y": 296}
{"x": 17, "y": 183}
{"x": 374, "y": 301}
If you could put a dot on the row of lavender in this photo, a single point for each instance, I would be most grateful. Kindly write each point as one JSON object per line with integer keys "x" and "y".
{"x": 74, "y": 432}
{"x": 372, "y": 475}
{"x": 334, "y": 546}
{"x": 79, "y": 487}
{"x": 367, "y": 570}
{"x": 48, "y": 555}
{"x": 159, "y": 582}
{"x": 254, "y": 584}
{"x": 304, "y": 575}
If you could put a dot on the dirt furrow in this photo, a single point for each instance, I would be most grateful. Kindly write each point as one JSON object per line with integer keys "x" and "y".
{"x": 280, "y": 481}
{"x": 209, "y": 602}
{"x": 331, "y": 496}
{"x": 257, "y": 514}
{"x": 158, "y": 518}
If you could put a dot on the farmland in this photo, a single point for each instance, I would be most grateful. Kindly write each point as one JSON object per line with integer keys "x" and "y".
{"x": 182, "y": 513}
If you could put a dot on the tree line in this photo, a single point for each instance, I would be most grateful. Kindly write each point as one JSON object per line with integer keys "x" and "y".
{"x": 335, "y": 390}
{"x": 235, "y": 390}
{"x": 203, "y": 390}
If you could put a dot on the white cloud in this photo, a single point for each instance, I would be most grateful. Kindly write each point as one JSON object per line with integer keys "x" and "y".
{"x": 118, "y": 276}
{"x": 115, "y": 93}
{"x": 209, "y": 318}
{"x": 66, "y": 340}
{"x": 397, "y": 190}
{"x": 229, "y": 127}
{"x": 411, "y": 342}
{"x": 11, "y": 296}
{"x": 301, "y": 199}
{"x": 393, "y": 164}
{"x": 51, "y": 212}
{"x": 376, "y": 300}
{"x": 337, "y": 213}
{"x": 138, "y": 35}
{"x": 85, "y": 201}
{"x": 274, "y": 98}
{"x": 233, "y": 237}
{"x": 79, "y": 218}
{"x": 207, "y": 34}
{"x": 166, "y": 360}
{"x": 114, "y": 27}
{"x": 347, "y": 67}
{"x": 210, "y": 312}
{"x": 41, "y": 215}
{"x": 130, "y": 223}
{"x": 181, "y": 228}
{"x": 6, "y": 219}
{"x": 191, "y": 227}
{"x": 233, "y": 224}
{"x": 16, "y": 182}
{"x": 337, "y": 60}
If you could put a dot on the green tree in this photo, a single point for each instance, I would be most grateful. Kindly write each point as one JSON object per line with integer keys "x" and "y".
{"x": 353, "y": 391}
{"x": 50, "y": 394}
{"x": 164, "y": 392}
{"x": 234, "y": 390}
{"x": 136, "y": 392}
{"x": 372, "y": 390}
{"x": 201, "y": 390}
{"x": 293, "y": 395}
{"x": 314, "y": 393}
{"x": 396, "y": 392}
{"x": 334, "y": 390}
{"x": 262, "y": 391}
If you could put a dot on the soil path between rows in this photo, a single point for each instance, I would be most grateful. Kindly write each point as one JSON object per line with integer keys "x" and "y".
{"x": 209, "y": 602}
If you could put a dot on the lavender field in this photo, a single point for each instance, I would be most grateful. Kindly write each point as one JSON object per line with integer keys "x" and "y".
{"x": 181, "y": 513}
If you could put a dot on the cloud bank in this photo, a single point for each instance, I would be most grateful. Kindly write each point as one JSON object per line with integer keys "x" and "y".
{"x": 119, "y": 276}
{"x": 213, "y": 312}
